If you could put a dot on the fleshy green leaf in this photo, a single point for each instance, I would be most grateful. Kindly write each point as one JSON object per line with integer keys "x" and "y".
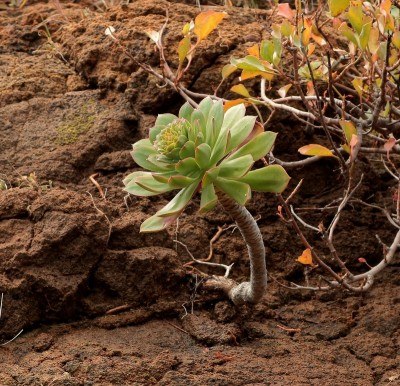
{"x": 143, "y": 184}
{"x": 199, "y": 123}
{"x": 178, "y": 182}
{"x": 258, "y": 147}
{"x": 232, "y": 116}
{"x": 188, "y": 150}
{"x": 240, "y": 132}
{"x": 203, "y": 154}
{"x": 236, "y": 167}
{"x": 141, "y": 152}
{"x": 186, "y": 111}
{"x": 210, "y": 176}
{"x": 205, "y": 106}
{"x": 208, "y": 198}
{"x": 214, "y": 122}
{"x": 156, "y": 223}
{"x": 161, "y": 121}
{"x": 237, "y": 190}
{"x": 178, "y": 203}
{"x": 272, "y": 178}
{"x": 187, "y": 167}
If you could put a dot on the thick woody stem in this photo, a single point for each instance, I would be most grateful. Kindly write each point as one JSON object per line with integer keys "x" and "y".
{"x": 252, "y": 291}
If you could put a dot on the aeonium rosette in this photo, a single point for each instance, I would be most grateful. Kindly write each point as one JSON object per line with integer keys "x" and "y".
{"x": 207, "y": 150}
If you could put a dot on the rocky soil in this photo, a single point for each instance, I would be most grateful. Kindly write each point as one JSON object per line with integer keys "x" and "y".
{"x": 101, "y": 304}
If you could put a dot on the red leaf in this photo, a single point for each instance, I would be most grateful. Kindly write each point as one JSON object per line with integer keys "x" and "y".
{"x": 285, "y": 11}
{"x": 388, "y": 146}
{"x": 218, "y": 355}
{"x": 353, "y": 143}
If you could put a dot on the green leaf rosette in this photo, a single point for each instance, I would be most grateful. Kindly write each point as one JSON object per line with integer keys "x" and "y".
{"x": 203, "y": 150}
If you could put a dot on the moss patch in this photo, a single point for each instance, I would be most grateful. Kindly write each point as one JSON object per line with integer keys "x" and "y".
{"x": 76, "y": 124}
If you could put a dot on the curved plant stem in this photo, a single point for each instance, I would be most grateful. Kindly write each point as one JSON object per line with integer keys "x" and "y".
{"x": 252, "y": 291}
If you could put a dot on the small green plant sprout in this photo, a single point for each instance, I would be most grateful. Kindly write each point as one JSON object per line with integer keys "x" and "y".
{"x": 210, "y": 151}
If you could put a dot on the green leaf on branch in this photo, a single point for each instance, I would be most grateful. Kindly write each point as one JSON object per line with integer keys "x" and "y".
{"x": 315, "y": 150}
{"x": 183, "y": 48}
{"x": 348, "y": 33}
{"x": 396, "y": 39}
{"x": 358, "y": 86}
{"x": 364, "y": 35}
{"x": 355, "y": 17}
{"x": 250, "y": 63}
{"x": 227, "y": 70}
{"x": 336, "y": 7}
{"x": 349, "y": 129}
{"x": 241, "y": 90}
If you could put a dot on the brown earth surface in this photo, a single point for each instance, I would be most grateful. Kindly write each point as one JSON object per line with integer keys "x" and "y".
{"x": 101, "y": 304}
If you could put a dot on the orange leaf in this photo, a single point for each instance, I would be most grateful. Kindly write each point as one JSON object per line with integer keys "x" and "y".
{"x": 353, "y": 143}
{"x": 206, "y": 22}
{"x": 310, "y": 88}
{"x": 248, "y": 74}
{"x": 306, "y": 257}
{"x": 254, "y": 51}
{"x": 314, "y": 149}
{"x": 229, "y": 104}
{"x": 389, "y": 145}
{"x": 310, "y": 49}
{"x": 306, "y": 31}
{"x": 285, "y": 11}
{"x": 385, "y": 7}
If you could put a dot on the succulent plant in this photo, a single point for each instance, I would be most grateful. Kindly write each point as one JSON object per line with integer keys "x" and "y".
{"x": 203, "y": 149}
